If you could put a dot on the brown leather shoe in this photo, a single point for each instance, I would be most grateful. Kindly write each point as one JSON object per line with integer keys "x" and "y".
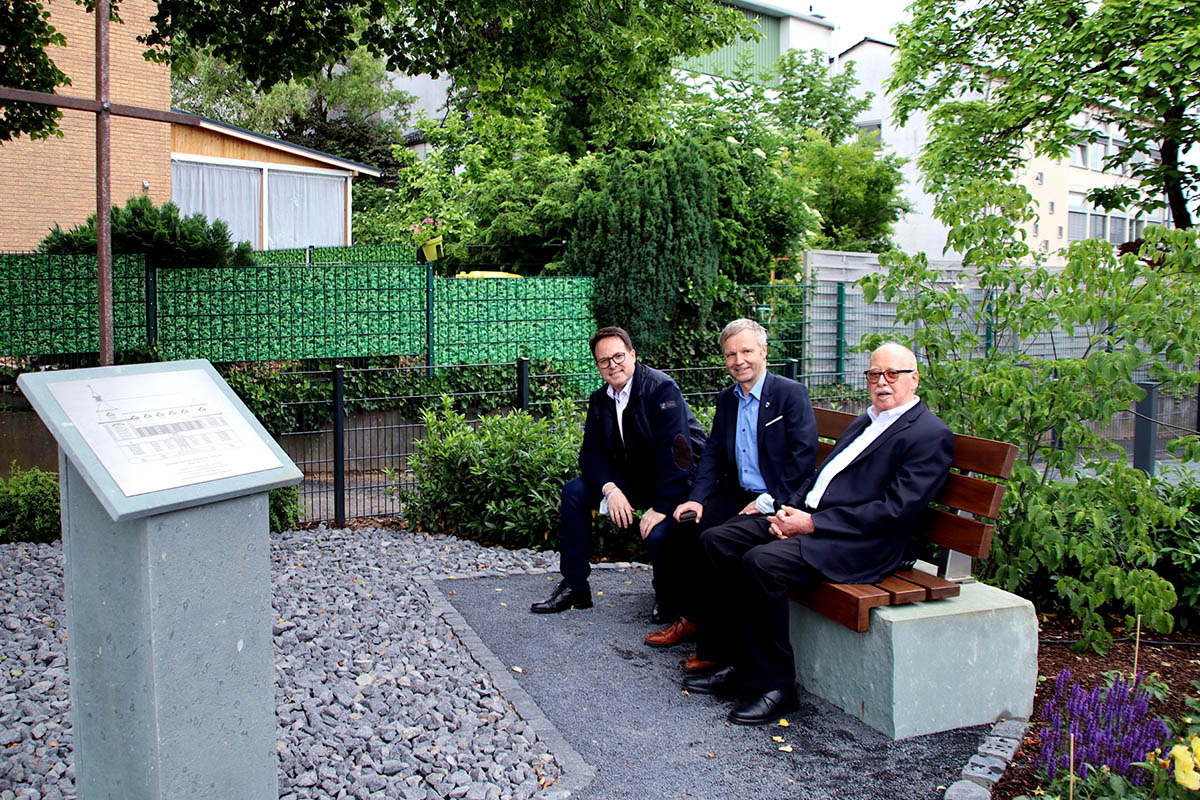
{"x": 678, "y": 631}
{"x": 695, "y": 664}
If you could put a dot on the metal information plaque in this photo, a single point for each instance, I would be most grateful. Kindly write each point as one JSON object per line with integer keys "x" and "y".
{"x": 150, "y": 438}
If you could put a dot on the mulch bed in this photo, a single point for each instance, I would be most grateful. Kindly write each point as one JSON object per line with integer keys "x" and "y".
{"x": 1177, "y": 663}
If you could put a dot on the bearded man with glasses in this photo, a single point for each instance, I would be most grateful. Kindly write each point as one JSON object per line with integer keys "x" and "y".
{"x": 849, "y": 523}
{"x": 640, "y": 440}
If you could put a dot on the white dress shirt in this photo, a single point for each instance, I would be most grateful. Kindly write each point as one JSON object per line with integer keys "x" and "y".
{"x": 880, "y": 422}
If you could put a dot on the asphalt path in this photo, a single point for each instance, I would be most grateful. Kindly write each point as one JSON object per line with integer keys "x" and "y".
{"x": 618, "y": 703}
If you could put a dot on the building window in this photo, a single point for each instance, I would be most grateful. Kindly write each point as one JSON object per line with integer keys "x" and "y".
{"x": 871, "y": 130}
{"x": 1077, "y": 217}
{"x": 1079, "y": 155}
{"x": 1098, "y": 152}
{"x": 1116, "y": 229}
{"x": 1098, "y": 226}
{"x": 1060, "y": 231}
{"x": 220, "y": 192}
{"x": 1051, "y": 206}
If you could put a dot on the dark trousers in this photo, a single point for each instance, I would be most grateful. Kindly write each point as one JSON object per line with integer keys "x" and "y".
{"x": 682, "y": 560}
{"x": 578, "y": 502}
{"x": 746, "y": 620}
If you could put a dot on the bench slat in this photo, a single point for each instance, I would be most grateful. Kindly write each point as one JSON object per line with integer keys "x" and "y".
{"x": 985, "y": 456}
{"x": 973, "y": 495}
{"x": 901, "y": 591}
{"x": 964, "y": 534}
{"x": 935, "y": 588}
{"x": 848, "y": 604}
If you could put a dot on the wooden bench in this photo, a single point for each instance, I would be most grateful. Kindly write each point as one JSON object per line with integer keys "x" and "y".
{"x": 961, "y": 519}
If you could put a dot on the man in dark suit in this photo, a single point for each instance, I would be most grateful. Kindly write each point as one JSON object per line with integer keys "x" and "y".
{"x": 639, "y": 441}
{"x": 849, "y": 523}
{"x": 763, "y": 445}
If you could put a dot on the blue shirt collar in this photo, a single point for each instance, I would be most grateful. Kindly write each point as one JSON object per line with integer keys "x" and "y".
{"x": 755, "y": 390}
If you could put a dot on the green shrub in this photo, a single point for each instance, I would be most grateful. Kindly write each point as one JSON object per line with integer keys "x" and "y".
{"x": 285, "y": 508}
{"x": 159, "y": 232}
{"x": 499, "y": 481}
{"x": 29, "y": 506}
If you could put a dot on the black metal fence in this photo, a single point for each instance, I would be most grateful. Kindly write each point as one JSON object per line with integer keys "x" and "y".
{"x": 354, "y": 465}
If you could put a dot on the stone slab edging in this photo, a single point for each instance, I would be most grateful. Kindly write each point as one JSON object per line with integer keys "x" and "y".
{"x": 994, "y": 755}
{"x": 576, "y": 773}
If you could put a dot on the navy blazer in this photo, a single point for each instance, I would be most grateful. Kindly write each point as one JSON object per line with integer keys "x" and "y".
{"x": 864, "y": 521}
{"x": 787, "y": 441}
{"x": 653, "y": 463}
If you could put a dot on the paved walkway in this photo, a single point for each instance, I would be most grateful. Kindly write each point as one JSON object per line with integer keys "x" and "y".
{"x": 624, "y": 729}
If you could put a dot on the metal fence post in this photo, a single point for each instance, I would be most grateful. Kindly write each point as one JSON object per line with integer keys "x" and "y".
{"x": 523, "y": 383}
{"x": 429, "y": 318}
{"x": 989, "y": 332}
{"x": 791, "y": 368}
{"x": 339, "y": 446}
{"x": 841, "y": 330}
{"x": 1145, "y": 428}
{"x": 151, "y": 302}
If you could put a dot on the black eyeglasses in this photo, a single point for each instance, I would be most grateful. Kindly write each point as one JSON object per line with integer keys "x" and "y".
{"x": 892, "y": 375}
{"x": 615, "y": 358}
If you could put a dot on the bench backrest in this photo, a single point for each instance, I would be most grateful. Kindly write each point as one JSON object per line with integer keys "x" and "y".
{"x": 978, "y": 499}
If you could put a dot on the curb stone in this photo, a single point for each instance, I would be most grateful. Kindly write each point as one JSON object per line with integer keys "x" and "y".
{"x": 985, "y": 769}
{"x": 576, "y": 773}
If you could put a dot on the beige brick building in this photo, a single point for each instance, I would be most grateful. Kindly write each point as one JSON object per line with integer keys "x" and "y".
{"x": 54, "y": 180}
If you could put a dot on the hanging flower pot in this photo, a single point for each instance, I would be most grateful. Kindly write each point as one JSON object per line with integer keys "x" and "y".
{"x": 432, "y": 249}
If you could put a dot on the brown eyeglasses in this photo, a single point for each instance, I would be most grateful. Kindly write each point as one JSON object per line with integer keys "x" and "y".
{"x": 892, "y": 375}
{"x": 615, "y": 358}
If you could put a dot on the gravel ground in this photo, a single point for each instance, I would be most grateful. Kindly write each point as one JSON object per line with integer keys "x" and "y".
{"x": 376, "y": 697}
{"x": 380, "y": 690}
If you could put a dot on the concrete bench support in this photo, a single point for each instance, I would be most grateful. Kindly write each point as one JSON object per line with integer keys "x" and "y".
{"x": 924, "y": 667}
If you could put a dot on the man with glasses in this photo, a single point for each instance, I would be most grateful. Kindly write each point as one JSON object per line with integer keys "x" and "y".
{"x": 763, "y": 445}
{"x": 849, "y": 523}
{"x": 639, "y": 441}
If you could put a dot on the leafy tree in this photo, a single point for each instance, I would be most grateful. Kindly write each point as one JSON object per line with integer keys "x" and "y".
{"x": 161, "y": 232}
{"x": 25, "y": 64}
{"x": 998, "y": 75}
{"x": 647, "y": 236}
{"x": 856, "y": 189}
{"x": 348, "y": 109}
{"x": 1043, "y": 359}
{"x": 592, "y": 63}
{"x": 811, "y": 96}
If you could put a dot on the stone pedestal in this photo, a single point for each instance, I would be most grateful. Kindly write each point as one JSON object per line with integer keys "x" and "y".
{"x": 924, "y": 667}
{"x": 169, "y": 641}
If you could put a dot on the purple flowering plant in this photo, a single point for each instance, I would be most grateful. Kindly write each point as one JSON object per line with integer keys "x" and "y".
{"x": 1112, "y": 728}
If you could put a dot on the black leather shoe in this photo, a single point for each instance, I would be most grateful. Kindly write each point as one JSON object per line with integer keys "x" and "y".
{"x": 660, "y": 617}
{"x": 712, "y": 683}
{"x": 765, "y": 708}
{"x": 564, "y": 597}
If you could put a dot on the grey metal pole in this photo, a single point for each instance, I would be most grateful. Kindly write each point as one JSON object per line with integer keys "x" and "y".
{"x": 791, "y": 368}
{"x": 1145, "y": 428}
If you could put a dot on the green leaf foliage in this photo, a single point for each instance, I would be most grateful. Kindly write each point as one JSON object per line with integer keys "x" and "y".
{"x": 29, "y": 506}
{"x": 996, "y": 76}
{"x": 1045, "y": 360}
{"x": 25, "y": 34}
{"x": 284, "y": 508}
{"x": 499, "y": 480}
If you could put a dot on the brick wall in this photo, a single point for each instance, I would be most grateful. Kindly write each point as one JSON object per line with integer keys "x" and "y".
{"x": 54, "y": 180}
